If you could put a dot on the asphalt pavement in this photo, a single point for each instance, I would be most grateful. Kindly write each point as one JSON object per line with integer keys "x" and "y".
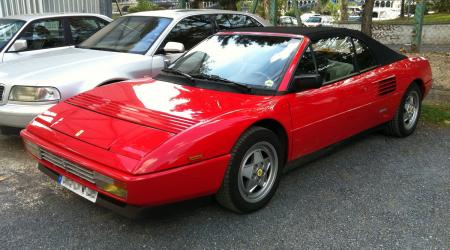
{"x": 374, "y": 192}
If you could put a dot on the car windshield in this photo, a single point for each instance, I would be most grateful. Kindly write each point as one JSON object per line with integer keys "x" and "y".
{"x": 314, "y": 19}
{"x": 251, "y": 60}
{"x": 130, "y": 34}
{"x": 8, "y": 28}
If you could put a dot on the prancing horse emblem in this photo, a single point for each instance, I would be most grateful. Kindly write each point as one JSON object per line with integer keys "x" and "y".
{"x": 79, "y": 133}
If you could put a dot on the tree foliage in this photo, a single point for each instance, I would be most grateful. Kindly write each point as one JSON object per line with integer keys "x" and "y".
{"x": 442, "y": 6}
{"x": 143, "y": 5}
{"x": 229, "y": 4}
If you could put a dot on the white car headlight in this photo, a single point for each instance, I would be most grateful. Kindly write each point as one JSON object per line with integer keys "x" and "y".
{"x": 34, "y": 94}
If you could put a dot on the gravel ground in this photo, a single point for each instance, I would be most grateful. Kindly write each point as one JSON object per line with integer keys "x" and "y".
{"x": 440, "y": 66}
{"x": 375, "y": 192}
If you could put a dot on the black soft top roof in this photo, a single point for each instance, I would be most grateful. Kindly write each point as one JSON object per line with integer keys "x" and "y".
{"x": 383, "y": 54}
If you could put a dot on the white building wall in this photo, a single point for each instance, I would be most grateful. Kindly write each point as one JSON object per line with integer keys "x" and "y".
{"x": 20, "y": 7}
{"x": 436, "y": 34}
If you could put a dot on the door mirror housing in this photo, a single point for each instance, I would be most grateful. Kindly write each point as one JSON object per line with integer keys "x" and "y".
{"x": 307, "y": 81}
{"x": 18, "y": 45}
{"x": 173, "y": 47}
{"x": 166, "y": 63}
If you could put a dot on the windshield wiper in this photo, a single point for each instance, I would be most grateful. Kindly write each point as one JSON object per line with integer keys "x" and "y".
{"x": 81, "y": 47}
{"x": 97, "y": 48}
{"x": 217, "y": 78}
{"x": 181, "y": 73}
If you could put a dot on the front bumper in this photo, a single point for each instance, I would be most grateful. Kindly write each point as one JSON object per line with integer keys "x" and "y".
{"x": 154, "y": 189}
{"x": 19, "y": 115}
{"x": 103, "y": 200}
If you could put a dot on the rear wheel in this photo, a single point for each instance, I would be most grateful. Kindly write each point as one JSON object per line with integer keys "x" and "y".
{"x": 254, "y": 171}
{"x": 408, "y": 113}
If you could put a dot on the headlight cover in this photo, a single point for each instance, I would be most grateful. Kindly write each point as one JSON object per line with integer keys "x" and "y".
{"x": 32, "y": 148}
{"x": 34, "y": 94}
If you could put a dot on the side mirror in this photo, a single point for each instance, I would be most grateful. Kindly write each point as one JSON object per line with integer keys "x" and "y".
{"x": 307, "y": 81}
{"x": 18, "y": 45}
{"x": 166, "y": 63}
{"x": 174, "y": 47}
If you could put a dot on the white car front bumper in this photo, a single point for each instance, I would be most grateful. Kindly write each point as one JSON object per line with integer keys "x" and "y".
{"x": 19, "y": 115}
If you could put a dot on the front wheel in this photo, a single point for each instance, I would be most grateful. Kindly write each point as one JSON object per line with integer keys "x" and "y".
{"x": 254, "y": 171}
{"x": 407, "y": 115}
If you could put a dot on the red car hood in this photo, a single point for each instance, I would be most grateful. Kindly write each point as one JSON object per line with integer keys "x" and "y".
{"x": 134, "y": 118}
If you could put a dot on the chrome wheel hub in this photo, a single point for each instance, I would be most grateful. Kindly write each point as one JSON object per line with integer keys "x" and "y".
{"x": 257, "y": 172}
{"x": 411, "y": 110}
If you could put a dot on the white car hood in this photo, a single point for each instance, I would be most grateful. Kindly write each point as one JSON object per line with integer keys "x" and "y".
{"x": 47, "y": 69}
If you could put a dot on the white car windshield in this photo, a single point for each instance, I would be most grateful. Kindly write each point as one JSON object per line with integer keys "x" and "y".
{"x": 9, "y": 28}
{"x": 129, "y": 34}
{"x": 252, "y": 60}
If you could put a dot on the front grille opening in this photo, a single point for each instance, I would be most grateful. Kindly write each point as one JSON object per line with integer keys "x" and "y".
{"x": 2, "y": 89}
{"x": 68, "y": 166}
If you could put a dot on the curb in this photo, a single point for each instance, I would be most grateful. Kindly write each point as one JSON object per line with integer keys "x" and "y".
{"x": 438, "y": 96}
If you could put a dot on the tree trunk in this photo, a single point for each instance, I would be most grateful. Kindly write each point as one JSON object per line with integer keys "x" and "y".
{"x": 227, "y": 4}
{"x": 318, "y": 7}
{"x": 366, "y": 24}
{"x": 402, "y": 9}
{"x": 266, "y": 5}
{"x": 344, "y": 12}
{"x": 231, "y": 5}
{"x": 196, "y": 4}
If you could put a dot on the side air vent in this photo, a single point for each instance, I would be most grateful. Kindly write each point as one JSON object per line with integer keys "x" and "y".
{"x": 387, "y": 85}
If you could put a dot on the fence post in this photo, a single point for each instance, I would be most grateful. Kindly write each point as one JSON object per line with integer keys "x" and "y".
{"x": 297, "y": 13}
{"x": 418, "y": 25}
{"x": 274, "y": 12}
{"x": 183, "y": 4}
{"x": 254, "y": 6}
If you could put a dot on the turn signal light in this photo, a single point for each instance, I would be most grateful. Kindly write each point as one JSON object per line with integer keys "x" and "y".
{"x": 32, "y": 149}
{"x": 110, "y": 185}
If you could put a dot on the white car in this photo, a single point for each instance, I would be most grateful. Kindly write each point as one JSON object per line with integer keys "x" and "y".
{"x": 26, "y": 35}
{"x": 288, "y": 21}
{"x": 305, "y": 16}
{"x": 133, "y": 46}
{"x": 380, "y": 13}
{"x": 318, "y": 21}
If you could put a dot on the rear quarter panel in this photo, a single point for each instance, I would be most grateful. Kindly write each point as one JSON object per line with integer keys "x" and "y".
{"x": 414, "y": 68}
{"x": 406, "y": 71}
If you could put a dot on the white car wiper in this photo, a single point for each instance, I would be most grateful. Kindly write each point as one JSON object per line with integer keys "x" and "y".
{"x": 97, "y": 48}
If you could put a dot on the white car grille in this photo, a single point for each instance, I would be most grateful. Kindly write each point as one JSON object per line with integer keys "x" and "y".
{"x": 68, "y": 166}
{"x": 2, "y": 89}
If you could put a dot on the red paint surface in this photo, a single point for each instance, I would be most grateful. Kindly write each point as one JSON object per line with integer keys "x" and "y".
{"x": 144, "y": 132}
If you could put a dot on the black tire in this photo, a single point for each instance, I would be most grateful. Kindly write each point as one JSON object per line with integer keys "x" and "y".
{"x": 229, "y": 194}
{"x": 9, "y": 131}
{"x": 396, "y": 127}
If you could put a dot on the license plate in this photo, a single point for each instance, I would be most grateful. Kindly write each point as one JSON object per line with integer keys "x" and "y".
{"x": 79, "y": 189}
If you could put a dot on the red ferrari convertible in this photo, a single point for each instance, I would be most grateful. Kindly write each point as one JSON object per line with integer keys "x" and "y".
{"x": 227, "y": 117}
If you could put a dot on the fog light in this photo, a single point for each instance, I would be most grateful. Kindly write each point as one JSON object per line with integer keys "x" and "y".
{"x": 32, "y": 149}
{"x": 110, "y": 185}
